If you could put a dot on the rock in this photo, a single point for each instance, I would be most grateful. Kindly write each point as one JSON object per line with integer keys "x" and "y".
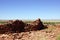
{"x": 20, "y": 26}
{"x": 35, "y": 25}
{"x": 16, "y": 26}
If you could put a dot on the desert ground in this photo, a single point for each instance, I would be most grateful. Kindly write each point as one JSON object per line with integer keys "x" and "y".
{"x": 52, "y": 32}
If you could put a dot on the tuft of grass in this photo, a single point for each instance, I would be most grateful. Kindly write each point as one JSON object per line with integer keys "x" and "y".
{"x": 58, "y": 37}
{"x": 2, "y": 22}
{"x": 50, "y": 28}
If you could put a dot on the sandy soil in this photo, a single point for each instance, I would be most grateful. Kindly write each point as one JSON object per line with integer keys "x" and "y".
{"x": 46, "y": 34}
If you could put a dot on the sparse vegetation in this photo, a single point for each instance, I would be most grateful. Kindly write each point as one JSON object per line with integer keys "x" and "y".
{"x": 58, "y": 37}
{"x": 27, "y": 21}
{"x": 51, "y": 23}
{"x": 51, "y": 33}
{"x": 2, "y": 22}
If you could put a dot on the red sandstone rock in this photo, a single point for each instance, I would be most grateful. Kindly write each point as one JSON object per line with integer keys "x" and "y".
{"x": 20, "y": 26}
{"x": 16, "y": 26}
{"x": 35, "y": 25}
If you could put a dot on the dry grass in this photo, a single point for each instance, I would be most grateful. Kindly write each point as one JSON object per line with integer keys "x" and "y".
{"x": 46, "y": 34}
{"x": 51, "y": 33}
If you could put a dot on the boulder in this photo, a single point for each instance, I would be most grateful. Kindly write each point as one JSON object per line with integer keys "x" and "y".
{"x": 16, "y": 26}
{"x": 20, "y": 26}
{"x": 35, "y": 25}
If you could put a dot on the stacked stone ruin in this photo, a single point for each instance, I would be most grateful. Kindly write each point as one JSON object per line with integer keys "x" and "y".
{"x": 20, "y": 26}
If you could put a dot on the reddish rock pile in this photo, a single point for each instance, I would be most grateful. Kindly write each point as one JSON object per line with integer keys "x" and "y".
{"x": 16, "y": 26}
{"x": 20, "y": 26}
{"x": 35, "y": 25}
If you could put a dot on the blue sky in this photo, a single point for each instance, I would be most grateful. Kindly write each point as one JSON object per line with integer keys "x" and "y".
{"x": 29, "y": 9}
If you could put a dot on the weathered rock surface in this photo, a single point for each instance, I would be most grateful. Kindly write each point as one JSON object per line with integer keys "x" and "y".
{"x": 20, "y": 26}
{"x": 16, "y": 26}
{"x": 35, "y": 25}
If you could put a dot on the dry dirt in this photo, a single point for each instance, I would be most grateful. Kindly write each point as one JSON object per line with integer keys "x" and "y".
{"x": 46, "y": 34}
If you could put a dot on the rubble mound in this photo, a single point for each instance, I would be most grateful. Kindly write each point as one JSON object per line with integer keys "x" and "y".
{"x": 15, "y": 26}
{"x": 20, "y": 26}
{"x": 35, "y": 25}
